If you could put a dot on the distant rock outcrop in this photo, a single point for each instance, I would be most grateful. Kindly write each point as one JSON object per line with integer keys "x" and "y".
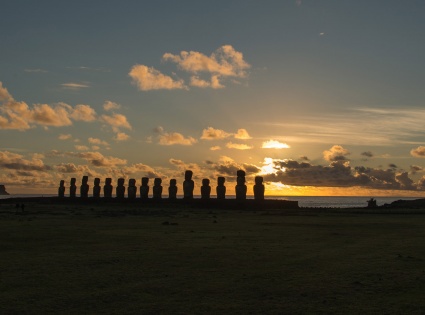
{"x": 3, "y": 190}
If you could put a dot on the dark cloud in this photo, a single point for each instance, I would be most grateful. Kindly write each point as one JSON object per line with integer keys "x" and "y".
{"x": 367, "y": 154}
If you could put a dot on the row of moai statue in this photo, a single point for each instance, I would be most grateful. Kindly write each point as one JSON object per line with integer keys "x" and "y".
{"x": 188, "y": 187}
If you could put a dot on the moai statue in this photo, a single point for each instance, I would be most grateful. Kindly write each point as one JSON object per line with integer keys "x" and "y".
{"x": 107, "y": 188}
{"x": 188, "y": 185}
{"x": 172, "y": 190}
{"x": 132, "y": 189}
{"x": 221, "y": 189}
{"x": 84, "y": 188}
{"x": 205, "y": 189}
{"x": 120, "y": 188}
{"x": 72, "y": 188}
{"x": 157, "y": 188}
{"x": 240, "y": 187}
{"x": 144, "y": 189}
{"x": 61, "y": 189}
{"x": 96, "y": 188}
{"x": 258, "y": 188}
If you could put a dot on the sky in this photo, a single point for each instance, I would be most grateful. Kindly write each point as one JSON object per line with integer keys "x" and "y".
{"x": 319, "y": 97}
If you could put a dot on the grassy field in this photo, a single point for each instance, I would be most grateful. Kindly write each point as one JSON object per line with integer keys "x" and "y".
{"x": 91, "y": 260}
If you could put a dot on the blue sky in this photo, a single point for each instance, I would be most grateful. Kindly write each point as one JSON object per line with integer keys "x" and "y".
{"x": 137, "y": 88}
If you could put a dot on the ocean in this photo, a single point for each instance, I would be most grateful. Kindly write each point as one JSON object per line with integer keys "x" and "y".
{"x": 303, "y": 201}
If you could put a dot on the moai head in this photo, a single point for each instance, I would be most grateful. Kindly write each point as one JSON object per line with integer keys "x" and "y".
{"x": 85, "y": 180}
{"x": 157, "y": 181}
{"x": 73, "y": 180}
{"x": 173, "y": 182}
{"x": 97, "y": 181}
{"x": 240, "y": 173}
{"x": 188, "y": 175}
{"x": 205, "y": 182}
{"x": 221, "y": 181}
{"x": 62, "y": 183}
{"x": 145, "y": 181}
{"x": 120, "y": 181}
{"x": 258, "y": 180}
{"x": 108, "y": 181}
{"x": 131, "y": 182}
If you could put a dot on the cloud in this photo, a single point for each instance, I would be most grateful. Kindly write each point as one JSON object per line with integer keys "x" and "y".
{"x": 214, "y": 83}
{"x": 97, "y": 141}
{"x": 418, "y": 152}
{"x": 215, "y": 148}
{"x": 18, "y": 115}
{"x": 238, "y": 146}
{"x": 74, "y": 86}
{"x": 148, "y": 78}
{"x": 108, "y": 106}
{"x": 336, "y": 153}
{"x": 225, "y": 61}
{"x": 367, "y": 154}
{"x": 83, "y": 113}
{"x": 121, "y": 136}
{"x": 242, "y": 134}
{"x": 71, "y": 168}
{"x": 98, "y": 160}
{"x": 415, "y": 168}
{"x": 13, "y": 161}
{"x": 64, "y": 136}
{"x": 81, "y": 147}
{"x": 273, "y": 144}
{"x": 116, "y": 121}
{"x": 36, "y": 70}
{"x": 214, "y": 134}
{"x": 172, "y": 138}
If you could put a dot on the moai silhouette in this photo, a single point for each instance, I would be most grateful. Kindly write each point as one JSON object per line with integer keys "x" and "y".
{"x": 144, "y": 189}
{"x": 120, "y": 188}
{"x": 107, "y": 188}
{"x": 96, "y": 188}
{"x": 157, "y": 188}
{"x": 240, "y": 187}
{"x": 84, "y": 188}
{"x": 172, "y": 190}
{"x": 72, "y": 188}
{"x": 61, "y": 189}
{"x": 221, "y": 189}
{"x": 259, "y": 188}
{"x": 205, "y": 189}
{"x": 188, "y": 185}
{"x": 132, "y": 189}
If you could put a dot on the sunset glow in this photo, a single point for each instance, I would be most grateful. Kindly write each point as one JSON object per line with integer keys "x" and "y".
{"x": 318, "y": 97}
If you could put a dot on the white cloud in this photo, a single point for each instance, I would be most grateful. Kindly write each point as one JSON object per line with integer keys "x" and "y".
{"x": 336, "y": 153}
{"x": 121, "y": 136}
{"x": 81, "y": 147}
{"x": 214, "y": 134}
{"x": 418, "y": 152}
{"x": 116, "y": 121}
{"x": 64, "y": 136}
{"x": 83, "y": 113}
{"x": 148, "y": 78}
{"x": 108, "y": 106}
{"x": 274, "y": 144}
{"x": 75, "y": 86}
{"x": 172, "y": 138}
{"x": 215, "y": 148}
{"x": 238, "y": 146}
{"x": 242, "y": 134}
{"x": 97, "y": 141}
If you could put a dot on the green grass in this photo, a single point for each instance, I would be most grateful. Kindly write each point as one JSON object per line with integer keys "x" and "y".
{"x": 88, "y": 260}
